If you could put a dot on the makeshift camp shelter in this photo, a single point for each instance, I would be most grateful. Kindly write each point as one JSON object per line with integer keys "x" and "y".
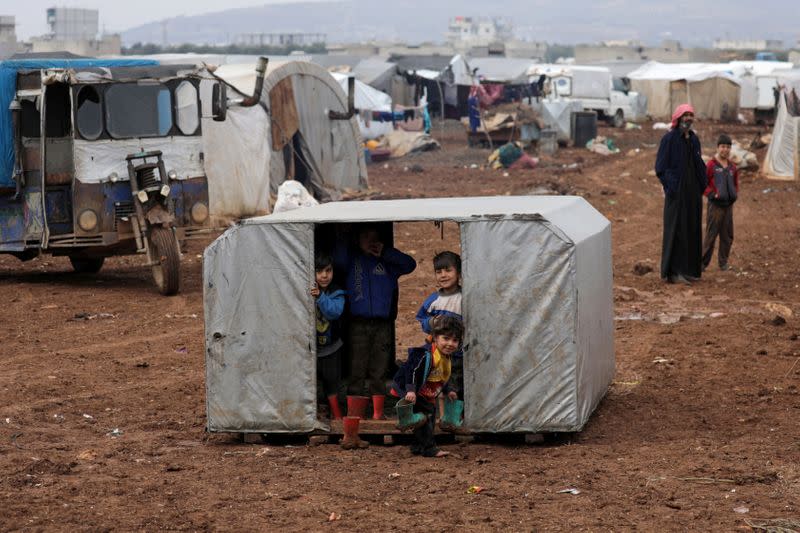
{"x": 537, "y": 304}
{"x": 367, "y": 101}
{"x": 783, "y": 155}
{"x": 290, "y": 135}
{"x": 711, "y": 89}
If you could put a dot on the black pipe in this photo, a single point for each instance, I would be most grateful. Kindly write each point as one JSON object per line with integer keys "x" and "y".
{"x": 261, "y": 70}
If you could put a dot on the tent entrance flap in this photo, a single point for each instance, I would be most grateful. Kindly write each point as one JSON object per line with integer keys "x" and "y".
{"x": 520, "y": 352}
{"x": 260, "y": 342}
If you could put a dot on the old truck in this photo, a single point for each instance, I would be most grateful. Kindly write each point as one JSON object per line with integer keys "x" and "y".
{"x": 100, "y": 158}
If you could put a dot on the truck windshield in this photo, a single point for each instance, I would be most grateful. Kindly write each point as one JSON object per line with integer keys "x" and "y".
{"x": 134, "y": 110}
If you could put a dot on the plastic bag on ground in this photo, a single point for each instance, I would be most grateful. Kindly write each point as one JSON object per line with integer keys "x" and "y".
{"x": 292, "y": 195}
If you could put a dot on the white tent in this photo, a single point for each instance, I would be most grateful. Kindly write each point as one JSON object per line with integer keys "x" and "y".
{"x": 711, "y": 88}
{"x": 538, "y": 309}
{"x": 757, "y": 79}
{"x": 250, "y": 154}
{"x": 783, "y": 155}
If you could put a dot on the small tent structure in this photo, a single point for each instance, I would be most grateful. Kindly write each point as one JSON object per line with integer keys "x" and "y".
{"x": 710, "y": 88}
{"x": 783, "y": 155}
{"x": 539, "y": 347}
{"x": 290, "y": 135}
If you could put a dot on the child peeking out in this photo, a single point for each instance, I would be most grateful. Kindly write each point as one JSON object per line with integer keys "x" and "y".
{"x": 329, "y": 306}
{"x": 424, "y": 376}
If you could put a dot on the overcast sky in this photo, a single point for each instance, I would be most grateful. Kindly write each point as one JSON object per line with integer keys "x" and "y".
{"x": 115, "y": 16}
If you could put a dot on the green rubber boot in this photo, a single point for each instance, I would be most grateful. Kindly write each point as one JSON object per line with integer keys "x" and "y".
{"x": 407, "y": 418}
{"x": 451, "y": 419}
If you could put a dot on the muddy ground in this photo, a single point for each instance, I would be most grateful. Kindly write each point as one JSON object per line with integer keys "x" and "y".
{"x": 102, "y": 410}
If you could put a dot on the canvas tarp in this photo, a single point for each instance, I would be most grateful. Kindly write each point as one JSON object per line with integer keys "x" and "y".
{"x": 241, "y": 162}
{"x": 710, "y": 88}
{"x": 783, "y": 154}
{"x": 539, "y": 350}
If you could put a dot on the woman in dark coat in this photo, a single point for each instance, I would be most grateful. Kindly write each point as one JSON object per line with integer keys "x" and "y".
{"x": 681, "y": 170}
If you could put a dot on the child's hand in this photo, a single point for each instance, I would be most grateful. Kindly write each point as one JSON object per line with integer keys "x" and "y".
{"x": 452, "y": 395}
{"x": 411, "y": 397}
{"x": 315, "y": 291}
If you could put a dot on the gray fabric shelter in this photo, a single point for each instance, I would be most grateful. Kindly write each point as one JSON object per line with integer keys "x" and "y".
{"x": 539, "y": 348}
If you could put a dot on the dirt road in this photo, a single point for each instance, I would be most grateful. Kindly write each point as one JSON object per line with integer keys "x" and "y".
{"x": 102, "y": 390}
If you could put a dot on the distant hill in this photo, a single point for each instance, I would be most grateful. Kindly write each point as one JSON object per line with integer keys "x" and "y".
{"x": 570, "y": 21}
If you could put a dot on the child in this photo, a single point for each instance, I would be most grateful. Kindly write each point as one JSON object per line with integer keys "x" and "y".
{"x": 329, "y": 305}
{"x": 722, "y": 191}
{"x": 372, "y": 274}
{"x": 424, "y": 375}
{"x": 446, "y": 302}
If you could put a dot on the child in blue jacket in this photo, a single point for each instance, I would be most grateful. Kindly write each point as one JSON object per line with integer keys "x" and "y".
{"x": 372, "y": 273}
{"x": 330, "y": 306}
{"x": 425, "y": 375}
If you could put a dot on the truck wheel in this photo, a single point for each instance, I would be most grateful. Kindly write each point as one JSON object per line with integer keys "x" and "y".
{"x": 86, "y": 265}
{"x": 618, "y": 120}
{"x": 164, "y": 252}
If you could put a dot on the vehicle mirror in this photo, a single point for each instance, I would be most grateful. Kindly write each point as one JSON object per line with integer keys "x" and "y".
{"x": 219, "y": 102}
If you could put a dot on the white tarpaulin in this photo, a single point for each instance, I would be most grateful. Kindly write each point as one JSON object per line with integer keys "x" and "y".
{"x": 96, "y": 160}
{"x": 538, "y": 310}
{"x": 784, "y": 148}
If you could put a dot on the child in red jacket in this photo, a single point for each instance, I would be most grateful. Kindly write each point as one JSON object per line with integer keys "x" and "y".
{"x": 722, "y": 191}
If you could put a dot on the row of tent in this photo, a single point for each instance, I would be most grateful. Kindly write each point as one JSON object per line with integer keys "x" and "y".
{"x": 716, "y": 90}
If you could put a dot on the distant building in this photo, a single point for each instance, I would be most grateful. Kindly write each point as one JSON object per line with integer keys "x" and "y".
{"x": 794, "y": 57}
{"x": 747, "y": 44}
{"x": 279, "y": 39}
{"x": 468, "y": 32}
{"x": 8, "y": 36}
{"x": 77, "y": 31}
{"x": 670, "y": 51}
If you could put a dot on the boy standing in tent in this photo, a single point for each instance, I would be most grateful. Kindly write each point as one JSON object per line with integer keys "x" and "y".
{"x": 682, "y": 172}
{"x": 372, "y": 273}
{"x": 446, "y": 301}
{"x": 722, "y": 191}
{"x": 423, "y": 376}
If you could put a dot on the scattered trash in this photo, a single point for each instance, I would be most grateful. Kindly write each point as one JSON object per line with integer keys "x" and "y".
{"x": 716, "y": 315}
{"x": 632, "y": 126}
{"x": 743, "y": 158}
{"x": 475, "y": 489}
{"x": 92, "y": 316}
{"x": 114, "y": 433}
{"x": 661, "y": 126}
{"x": 778, "y": 321}
{"x": 661, "y": 360}
{"x": 58, "y": 417}
{"x": 181, "y": 349}
{"x": 88, "y": 417}
{"x": 641, "y": 268}
{"x": 8, "y": 420}
{"x": 49, "y": 306}
{"x": 473, "y": 165}
{"x": 142, "y": 364}
{"x": 394, "y": 475}
{"x": 741, "y": 509}
{"x": 569, "y": 491}
{"x": 292, "y": 195}
{"x": 169, "y": 315}
{"x": 602, "y": 145}
{"x": 333, "y": 517}
{"x": 630, "y": 316}
{"x": 779, "y": 309}
{"x": 87, "y": 455}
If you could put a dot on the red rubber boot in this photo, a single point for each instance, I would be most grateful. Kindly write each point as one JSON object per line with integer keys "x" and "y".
{"x": 351, "y": 441}
{"x": 357, "y": 406}
{"x": 336, "y": 411}
{"x": 377, "y": 406}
